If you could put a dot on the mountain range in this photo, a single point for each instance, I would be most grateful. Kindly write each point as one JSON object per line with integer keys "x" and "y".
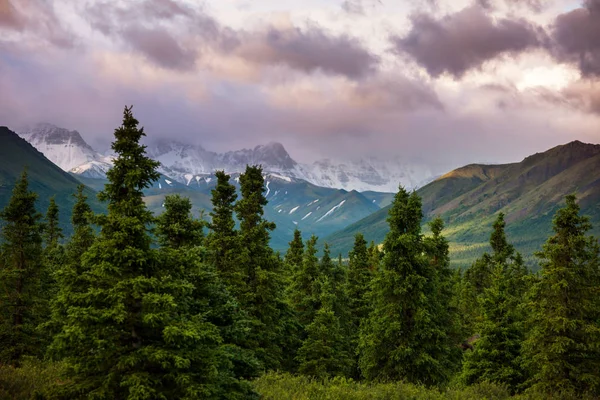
{"x": 529, "y": 193}
{"x": 45, "y": 178}
{"x": 293, "y": 203}
{"x": 189, "y": 164}
{"x": 468, "y": 198}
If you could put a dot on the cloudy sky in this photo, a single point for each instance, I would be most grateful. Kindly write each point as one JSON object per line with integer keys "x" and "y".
{"x": 436, "y": 81}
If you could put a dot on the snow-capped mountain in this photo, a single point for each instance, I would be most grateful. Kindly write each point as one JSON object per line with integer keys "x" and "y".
{"x": 367, "y": 174}
{"x": 190, "y": 164}
{"x": 67, "y": 149}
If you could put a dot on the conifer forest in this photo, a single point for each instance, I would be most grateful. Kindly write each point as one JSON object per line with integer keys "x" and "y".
{"x": 138, "y": 306}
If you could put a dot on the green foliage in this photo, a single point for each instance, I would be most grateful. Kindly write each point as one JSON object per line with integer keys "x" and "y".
{"x": 294, "y": 254}
{"x": 562, "y": 350}
{"x": 181, "y": 237}
{"x": 175, "y": 228}
{"x": 33, "y": 379}
{"x": 274, "y": 386}
{"x": 497, "y": 354}
{"x": 130, "y": 331}
{"x": 23, "y": 303}
{"x": 443, "y": 312}
{"x": 324, "y": 352}
{"x": 262, "y": 294}
{"x": 52, "y": 231}
{"x": 401, "y": 339}
{"x": 222, "y": 241}
{"x": 70, "y": 276}
{"x": 303, "y": 292}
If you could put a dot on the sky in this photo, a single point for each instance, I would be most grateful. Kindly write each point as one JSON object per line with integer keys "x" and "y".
{"x": 442, "y": 82}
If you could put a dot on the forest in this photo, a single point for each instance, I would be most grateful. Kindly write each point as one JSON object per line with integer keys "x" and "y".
{"x": 136, "y": 306}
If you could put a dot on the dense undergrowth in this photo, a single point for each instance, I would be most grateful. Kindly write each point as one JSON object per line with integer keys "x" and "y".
{"x": 38, "y": 380}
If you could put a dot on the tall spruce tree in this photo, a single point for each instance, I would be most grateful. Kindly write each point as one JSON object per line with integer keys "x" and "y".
{"x": 180, "y": 236}
{"x": 374, "y": 257}
{"x": 22, "y": 302}
{"x": 324, "y": 352}
{"x": 71, "y": 276}
{"x": 131, "y": 334}
{"x": 496, "y": 355}
{"x": 53, "y": 253}
{"x": 175, "y": 227}
{"x": 359, "y": 281}
{"x": 303, "y": 293}
{"x": 262, "y": 294}
{"x": 400, "y": 340}
{"x": 52, "y": 231}
{"x": 222, "y": 241}
{"x": 358, "y": 289}
{"x": 294, "y": 255}
{"x": 447, "y": 333}
{"x": 562, "y": 350}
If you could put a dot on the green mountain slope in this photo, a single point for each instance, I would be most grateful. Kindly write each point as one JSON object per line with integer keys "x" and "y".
{"x": 293, "y": 203}
{"x": 45, "y": 178}
{"x": 529, "y": 193}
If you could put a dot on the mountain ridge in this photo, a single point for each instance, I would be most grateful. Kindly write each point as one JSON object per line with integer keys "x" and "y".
{"x": 187, "y": 163}
{"x": 528, "y": 193}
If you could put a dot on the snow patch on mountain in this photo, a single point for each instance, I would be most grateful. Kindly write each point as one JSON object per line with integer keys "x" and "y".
{"x": 328, "y": 213}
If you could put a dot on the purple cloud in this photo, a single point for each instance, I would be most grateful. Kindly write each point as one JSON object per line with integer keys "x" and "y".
{"x": 310, "y": 50}
{"x": 465, "y": 40}
{"x": 576, "y": 36}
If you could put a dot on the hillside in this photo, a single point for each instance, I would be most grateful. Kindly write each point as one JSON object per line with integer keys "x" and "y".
{"x": 529, "y": 193}
{"x": 293, "y": 203}
{"x": 45, "y": 178}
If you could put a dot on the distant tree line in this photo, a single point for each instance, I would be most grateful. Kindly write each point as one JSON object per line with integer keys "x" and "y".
{"x": 143, "y": 307}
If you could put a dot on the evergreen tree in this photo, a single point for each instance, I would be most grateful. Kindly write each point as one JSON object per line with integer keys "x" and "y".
{"x": 374, "y": 257}
{"x": 359, "y": 281}
{"x": 70, "y": 276}
{"x": 401, "y": 339}
{"x": 52, "y": 231}
{"x": 222, "y": 240}
{"x": 478, "y": 277}
{"x": 324, "y": 352}
{"x": 175, "y": 227}
{"x": 54, "y": 258}
{"x": 358, "y": 287}
{"x": 303, "y": 293}
{"x": 326, "y": 265}
{"x": 262, "y": 294}
{"x": 441, "y": 303}
{"x": 294, "y": 255}
{"x": 131, "y": 332}
{"x": 53, "y": 253}
{"x": 562, "y": 349}
{"x": 22, "y": 302}
{"x": 181, "y": 237}
{"x": 496, "y": 356}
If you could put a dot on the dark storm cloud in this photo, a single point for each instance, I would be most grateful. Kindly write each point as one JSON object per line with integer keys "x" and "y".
{"x": 307, "y": 50}
{"x": 160, "y": 47}
{"x": 9, "y": 17}
{"x": 353, "y": 7}
{"x": 584, "y": 95}
{"x": 576, "y": 36}
{"x": 465, "y": 40}
{"x": 534, "y": 5}
{"x": 35, "y": 20}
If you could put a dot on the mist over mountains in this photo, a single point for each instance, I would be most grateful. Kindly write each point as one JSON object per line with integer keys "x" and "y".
{"x": 189, "y": 164}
